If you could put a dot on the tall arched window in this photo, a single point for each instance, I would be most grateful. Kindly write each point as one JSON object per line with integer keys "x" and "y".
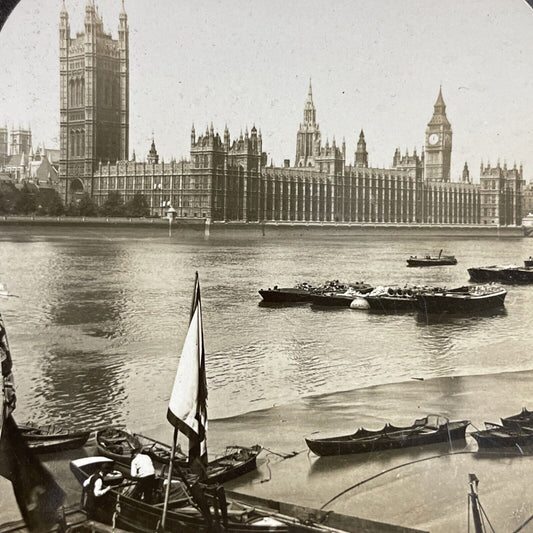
{"x": 72, "y": 143}
{"x": 71, "y": 90}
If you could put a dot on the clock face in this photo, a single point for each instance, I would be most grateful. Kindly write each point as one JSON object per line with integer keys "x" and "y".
{"x": 433, "y": 138}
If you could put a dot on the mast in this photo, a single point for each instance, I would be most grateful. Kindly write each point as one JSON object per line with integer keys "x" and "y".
{"x": 473, "y": 499}
{"x": 478, "y": 513}
{"x": 193, "y": 343}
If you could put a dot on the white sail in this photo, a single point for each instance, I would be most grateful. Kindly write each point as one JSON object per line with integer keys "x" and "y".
{"x": 187, "y": 409}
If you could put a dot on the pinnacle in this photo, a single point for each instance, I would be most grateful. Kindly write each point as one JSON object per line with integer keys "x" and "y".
{"x": 440, "y": 99}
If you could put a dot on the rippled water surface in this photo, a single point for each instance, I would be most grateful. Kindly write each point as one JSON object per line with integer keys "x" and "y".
{"x": 97, "y": 329}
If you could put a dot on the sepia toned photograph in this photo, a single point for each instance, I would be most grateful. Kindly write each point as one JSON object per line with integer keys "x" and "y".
{"x": 266, "y": 266}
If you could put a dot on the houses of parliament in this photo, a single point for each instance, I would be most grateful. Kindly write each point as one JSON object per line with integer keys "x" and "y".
{"x": 229, "y": 179}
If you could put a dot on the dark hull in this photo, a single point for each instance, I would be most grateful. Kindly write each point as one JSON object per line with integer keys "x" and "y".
{"x": 512, "y": 275}
{"x": 387, "y": 439}
{"x": 332, "y": 300}
{"x": 524, "y": 418}
{"x": 453, "y": 303}
{"x": 391, "y": 303}
{"x": 286, "y": 295}
{"x": 503, "y": 438}
{"x": 421, "y": 262}
{"x": 49, "y": 444}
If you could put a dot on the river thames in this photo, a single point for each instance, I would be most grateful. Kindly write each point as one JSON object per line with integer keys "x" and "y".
{"x": 101, "y": 313}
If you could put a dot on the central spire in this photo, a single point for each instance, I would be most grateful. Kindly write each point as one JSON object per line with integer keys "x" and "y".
{"x": 309, "y": 109}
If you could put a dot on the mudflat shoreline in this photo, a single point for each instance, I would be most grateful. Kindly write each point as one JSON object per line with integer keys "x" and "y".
{"x": 427, "y": 485}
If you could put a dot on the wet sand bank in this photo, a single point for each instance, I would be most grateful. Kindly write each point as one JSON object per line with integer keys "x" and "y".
{"x": 424, "y": 488}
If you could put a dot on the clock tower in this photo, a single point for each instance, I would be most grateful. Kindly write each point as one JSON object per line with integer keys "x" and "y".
{"x": 438, "y": 151}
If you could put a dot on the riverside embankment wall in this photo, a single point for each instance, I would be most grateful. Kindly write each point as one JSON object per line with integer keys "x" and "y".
{"x": 273, "y": 228}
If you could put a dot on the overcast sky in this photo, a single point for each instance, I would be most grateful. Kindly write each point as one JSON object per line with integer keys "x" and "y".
{"x": 374, "y": 64}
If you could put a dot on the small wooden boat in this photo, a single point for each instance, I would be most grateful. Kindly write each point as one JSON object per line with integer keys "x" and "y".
{"x": 511, "y": 274}
{"x": 496, "y": 436}
{"x": 118, "y": 444}
{"x": 51, "y": 439}
{"x": 427, "y": 430}
{"x": 524, "y": 418}
{"x": 212, "y": 509}
{"x": 440, "y": 260}
{"x": 467, "y": 299}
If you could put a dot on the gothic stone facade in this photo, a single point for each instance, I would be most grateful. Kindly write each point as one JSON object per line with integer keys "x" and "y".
{"x": 228, "y": 180}
{"x": 94, "y": 98}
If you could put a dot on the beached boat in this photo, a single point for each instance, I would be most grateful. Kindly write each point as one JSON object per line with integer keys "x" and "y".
{"x": 118, "y": 444}
{"x": 199, "y": 509}
{"x": 512, "y": 274}
{"x": 427, "y": 430}
{"x": 440, "y": 260}
{"x": 496, "y": 436}
{"x": 52, "y": 439}
{"x": 467, "y": 299}
{"x": 523, "y": 418}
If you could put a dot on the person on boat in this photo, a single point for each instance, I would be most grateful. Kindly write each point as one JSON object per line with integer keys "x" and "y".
{"x": 93, "y": 490}
{"x": 142, "y": 469}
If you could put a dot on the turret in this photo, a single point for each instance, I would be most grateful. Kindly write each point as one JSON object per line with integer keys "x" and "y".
{"x": 153, "y": 157}
{"x": 361, "y": 155}
{"x": 226, "y": 137}
{"x": 466, "y": 173}
{"x": 193, "y": 136}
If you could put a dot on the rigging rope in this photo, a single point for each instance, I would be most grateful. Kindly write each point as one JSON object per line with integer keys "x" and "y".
{"x": 524, "y": 524}
{"x": 390, "y": 470}
{"x": 284, "y": 455}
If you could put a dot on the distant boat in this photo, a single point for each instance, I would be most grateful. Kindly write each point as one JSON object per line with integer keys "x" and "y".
{"x": 305, "y": 292}
{"x": 395, "y": 298}
{"x": 467, "y": 299}
{"x": 428, "y": 260}
{"x": 503, "y": 274}
{"x": 341, "y": 299}
{"x": 286, "y": 294}
{"x": 427, "y": 430}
